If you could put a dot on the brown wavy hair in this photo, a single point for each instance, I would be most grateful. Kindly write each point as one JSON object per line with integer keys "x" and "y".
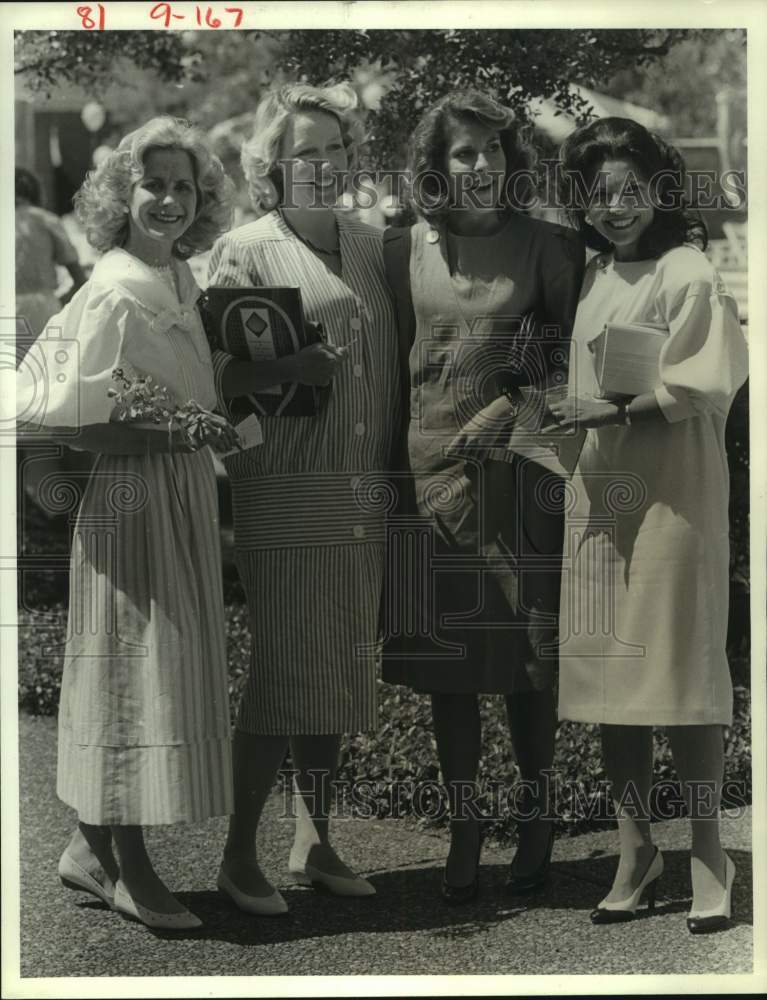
{"x": 428, "y": 191}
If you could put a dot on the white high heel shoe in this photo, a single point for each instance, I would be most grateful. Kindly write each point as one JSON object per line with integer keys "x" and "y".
{"x": 715, "y": 919}
{"x": 339, "y": 885}
{"x": 124, "y": 903}
{"x": 625, "y": 909}
{"x": 273, "y": 905}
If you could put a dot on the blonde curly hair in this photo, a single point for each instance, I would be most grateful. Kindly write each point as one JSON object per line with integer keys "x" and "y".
{"x": 102, "y": 203}
{"x": 261, "y": 153}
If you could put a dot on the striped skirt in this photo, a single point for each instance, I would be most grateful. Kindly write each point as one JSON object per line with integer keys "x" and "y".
{"x": 313, "y": 620}
{"x": 144, "y": 731}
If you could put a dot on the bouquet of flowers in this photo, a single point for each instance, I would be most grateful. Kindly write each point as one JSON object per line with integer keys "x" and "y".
{"x": 140, "y": 398}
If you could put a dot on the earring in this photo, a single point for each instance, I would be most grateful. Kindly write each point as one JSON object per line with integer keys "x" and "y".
{"x": 125, "y": 210}
{"x": 587, "y": 219}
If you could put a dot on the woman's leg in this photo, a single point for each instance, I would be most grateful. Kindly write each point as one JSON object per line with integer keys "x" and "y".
{"x": 628, "y": 761}
{"x": 458, "y": 732}
{"x": 91, "y": 848}
{"x": 137, "y": 874}
{"x": 315, "y": 759}
{"x": 532, "y": 723}
{"x": 256, "y": 761}
{"x": 699, "y": 759}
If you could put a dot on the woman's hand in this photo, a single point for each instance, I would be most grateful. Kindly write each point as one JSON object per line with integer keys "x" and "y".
{"x": 581, "y": 411}
{"x": 316, "y": 364}
{"x": 486, "y": 430}
{"x": 213, "y": 430}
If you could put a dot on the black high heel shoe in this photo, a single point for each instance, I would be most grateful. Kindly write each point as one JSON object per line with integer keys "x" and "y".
{"x": 625, "y": 909}
{"x": 704, "y": 922}
{"x": 519, "y": 885}
{"x": 455, "y": 895}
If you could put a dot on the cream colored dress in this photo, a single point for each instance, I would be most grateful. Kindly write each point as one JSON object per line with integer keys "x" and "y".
{"x": 644, "y": 602}
{"x": 144, "y": 732}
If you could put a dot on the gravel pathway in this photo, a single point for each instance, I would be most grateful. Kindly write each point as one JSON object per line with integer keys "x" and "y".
{"x": 405, "y": 929}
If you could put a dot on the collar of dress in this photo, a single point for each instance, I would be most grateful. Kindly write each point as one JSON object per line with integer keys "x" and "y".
{"x": 281, "y": 228}
{"x": 118, "y": 268}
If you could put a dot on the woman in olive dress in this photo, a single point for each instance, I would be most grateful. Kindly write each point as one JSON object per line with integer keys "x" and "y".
{"x": 491, "y": 299}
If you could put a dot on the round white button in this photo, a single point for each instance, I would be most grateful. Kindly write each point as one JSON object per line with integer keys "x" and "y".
{"x": 356, "y": 324}
{"x": 359, "y": 429}
{"x": 359, "y": 531}
{"x": 357, "y": 370}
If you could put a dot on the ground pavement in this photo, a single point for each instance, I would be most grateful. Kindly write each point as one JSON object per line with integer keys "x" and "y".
{"x": 404, "y": 929}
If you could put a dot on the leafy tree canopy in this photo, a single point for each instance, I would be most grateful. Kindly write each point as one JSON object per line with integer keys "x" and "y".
{"x": 220, "y": 74}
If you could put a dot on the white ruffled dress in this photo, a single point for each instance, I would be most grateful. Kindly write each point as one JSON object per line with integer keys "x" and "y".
{"x": 144, "y": 731}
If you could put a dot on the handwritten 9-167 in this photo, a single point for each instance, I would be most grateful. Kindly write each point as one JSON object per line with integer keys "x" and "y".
{"x": 93, "y": 18}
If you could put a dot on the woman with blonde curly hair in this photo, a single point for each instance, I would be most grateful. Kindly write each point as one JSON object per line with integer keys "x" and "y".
{"x": 309, "y": 538}
{"x": 144, "y": 735}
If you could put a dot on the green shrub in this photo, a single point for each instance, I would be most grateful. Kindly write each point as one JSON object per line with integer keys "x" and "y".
{"x": 398, "y": 762}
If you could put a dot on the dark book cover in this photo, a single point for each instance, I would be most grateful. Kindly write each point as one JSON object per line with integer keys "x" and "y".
{"x": 263, "y": 324}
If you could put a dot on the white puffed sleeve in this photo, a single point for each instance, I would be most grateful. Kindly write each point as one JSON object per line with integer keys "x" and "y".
{"x": 64, "y": 378}
{"x": 705, "y": 359}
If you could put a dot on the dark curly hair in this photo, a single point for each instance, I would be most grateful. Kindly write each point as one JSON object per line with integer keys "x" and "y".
{"x": 584, "y": 152}
{"x": 27, "y": 186}
{"x": 428, "y": 191}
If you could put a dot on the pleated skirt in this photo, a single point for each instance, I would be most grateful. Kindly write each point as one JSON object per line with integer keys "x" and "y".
{"x": 144, "y": 729}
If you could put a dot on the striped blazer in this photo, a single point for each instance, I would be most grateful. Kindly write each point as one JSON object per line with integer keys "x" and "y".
{"x": 318, "y": 480}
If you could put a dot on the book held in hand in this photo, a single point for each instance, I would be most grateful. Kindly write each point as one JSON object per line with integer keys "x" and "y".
{"x": 263, "y": 324}
{"x": 626, "y": 358}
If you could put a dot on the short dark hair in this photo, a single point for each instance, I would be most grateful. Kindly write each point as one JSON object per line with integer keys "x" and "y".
{"x": 27, "y": 186}
{"x": 675, "y": 222}
{"x": 428, "y": 191}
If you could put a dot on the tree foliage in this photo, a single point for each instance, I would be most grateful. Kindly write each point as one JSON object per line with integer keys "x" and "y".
{"x": 684, "y": 85}
{"x": 220, "y": 74}
{"x": 46, "y": 59}
{"x": 514, "y": 65}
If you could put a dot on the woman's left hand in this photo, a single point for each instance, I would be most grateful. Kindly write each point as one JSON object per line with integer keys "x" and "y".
{"x": 581, "y": 411}
{"x": 214, "y": 430}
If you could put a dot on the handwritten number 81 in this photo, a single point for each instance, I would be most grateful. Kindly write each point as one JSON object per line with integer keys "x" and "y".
{"x": 84, "y": 13}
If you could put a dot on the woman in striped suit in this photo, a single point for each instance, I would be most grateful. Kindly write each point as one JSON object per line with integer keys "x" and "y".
{"x": 309, "y": 532}
{"x": 144, "y": 730}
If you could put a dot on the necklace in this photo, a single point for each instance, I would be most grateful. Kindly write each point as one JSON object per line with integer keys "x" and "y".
{"x": 305, "y": 239}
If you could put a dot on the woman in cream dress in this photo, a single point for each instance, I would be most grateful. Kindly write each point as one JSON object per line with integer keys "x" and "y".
{"x": 643, "y": 614}
{"x": 144, "y": 731}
